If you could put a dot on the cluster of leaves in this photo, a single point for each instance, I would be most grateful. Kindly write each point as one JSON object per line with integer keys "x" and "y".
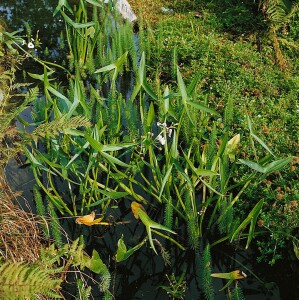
{"x": 21, "y": 281}
{"x": 238, "y": 66}
{"x": 178, "y": 148}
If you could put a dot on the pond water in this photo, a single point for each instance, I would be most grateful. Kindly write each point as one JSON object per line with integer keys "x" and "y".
{"x": 139, "y": 276}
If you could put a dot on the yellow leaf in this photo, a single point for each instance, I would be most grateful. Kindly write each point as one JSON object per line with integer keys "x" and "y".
{"x": 238, "y": 274}
{"x": 296, "y": 250}
{"x": 232, "y": 146}
{"x": 135, "y": 206}
{"x": 89, "y": 220}
{"x": 234, "y": 275}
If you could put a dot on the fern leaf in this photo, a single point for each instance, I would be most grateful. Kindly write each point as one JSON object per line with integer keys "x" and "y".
{"x": 20, "y": 281}
{"x": 83, "y": 292}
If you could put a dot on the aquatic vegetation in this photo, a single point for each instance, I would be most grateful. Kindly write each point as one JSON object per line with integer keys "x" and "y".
{"x": 110, "y": 135}
{"x": 160, "y": 148}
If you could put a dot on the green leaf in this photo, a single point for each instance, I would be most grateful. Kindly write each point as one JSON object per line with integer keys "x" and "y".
{"x": 251, "y": 218}
{"x": 122, "y": 252}
{"x": 165, "y": 179}
{"x": 96, "y": 264}
{"x": 40, "y": 76}
{"x": 182, "y": 87}
{"x": 278, "y": 165}
{"x": 197, "y": 171}
{"x": 142, "y": 68}
{"x": 150, "y": 115}
{"x": 136, "y": 90}
{"x": 61, "y": 4}
{"x": 58, "y": 94}
{"x": 113, "y": 160}
{"x": 166, "y": 100}
{"x": 262, "y": 144}
{"x": 182, "y": 172}
{"x": 120, "y": 61}
{"x": 149, "y": 223}
{"x": 94, "y": 143}
{"x": 110, "y": 195}
{"x": 249, "y": 124}
{"x": 35, "y": 163}
{"x": 113, "y": 194}
{"x": 116, "y": 65}
{"x": 296, "y": 249}
{"x": 115, "y": 147}
{"x": 106, "y": 68}
{"x": 174, "y": 146}
{"x": 148, "y": 89}
{"x": 95, "y": 3}
{"x": 203, "y": 108}
{"x": 76, "y": 25}
{"x": 192, "y": 86}
{"x": 252, "y": 165}
{"x": 78, "y": 153}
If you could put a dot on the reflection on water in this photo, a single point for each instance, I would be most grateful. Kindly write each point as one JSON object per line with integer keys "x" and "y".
{"x": 38, "y": 13}
{"x": 19, "y": 179}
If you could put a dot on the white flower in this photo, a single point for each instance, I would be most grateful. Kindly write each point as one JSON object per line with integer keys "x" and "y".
{"x": 30, "y": 45}
{"x": 161, "y": 139}
{"x": 162, "y": 125}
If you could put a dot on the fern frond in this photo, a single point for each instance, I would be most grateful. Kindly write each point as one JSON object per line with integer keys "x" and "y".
{"x": 21, "y": 281}
{"x": 279, "y": 12}
{"x": 61, "y": 124}
{"x": 83, "y": 292}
